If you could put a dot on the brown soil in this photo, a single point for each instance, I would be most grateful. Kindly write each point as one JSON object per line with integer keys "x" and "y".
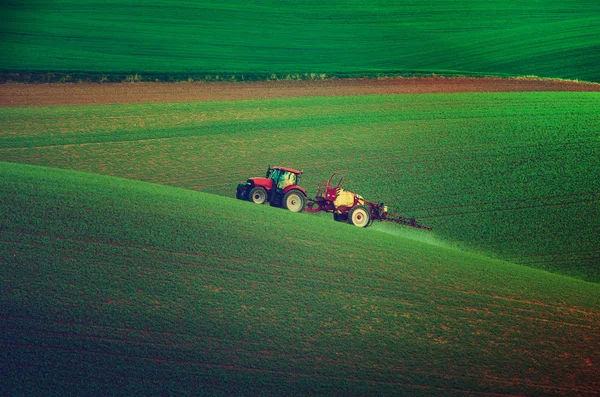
{"x": 20, "y": 94}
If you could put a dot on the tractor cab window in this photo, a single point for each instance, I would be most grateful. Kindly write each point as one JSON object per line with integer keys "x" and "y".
{"x": 282, "y": 178}
{"x": 273, "y": 174}
{"x": 286, "y": 179}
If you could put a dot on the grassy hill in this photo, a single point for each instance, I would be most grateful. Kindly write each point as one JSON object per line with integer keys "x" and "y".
{"x": 257, "y": 39}
{"x": 509, "y": 174}
{"x": 134, "y": 288}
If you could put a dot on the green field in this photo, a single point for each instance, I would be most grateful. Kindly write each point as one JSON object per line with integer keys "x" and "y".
{"x": 512, "y": 175}
{"x": 113, "y": 285}
{"x": 228, "y": 39}
{"x": 128, "y": 268}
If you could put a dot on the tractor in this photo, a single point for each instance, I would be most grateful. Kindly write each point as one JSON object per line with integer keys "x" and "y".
{"x": 279, "y": 188}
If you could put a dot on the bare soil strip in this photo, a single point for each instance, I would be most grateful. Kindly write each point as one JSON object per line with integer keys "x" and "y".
{"x": 21, "y": 94}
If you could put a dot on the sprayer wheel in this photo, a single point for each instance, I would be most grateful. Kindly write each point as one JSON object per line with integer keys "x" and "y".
{"x": 359, "y": 216}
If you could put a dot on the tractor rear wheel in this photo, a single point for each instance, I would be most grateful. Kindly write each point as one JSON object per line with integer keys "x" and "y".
{"x": 294, "y": 201}
{"x": 359, "y": 216}
{"x": 258, "y": 195}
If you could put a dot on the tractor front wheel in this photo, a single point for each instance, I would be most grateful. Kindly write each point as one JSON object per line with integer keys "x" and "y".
{"x": 241, "y": 192}
{"x": 294, "y": 201}
{"x": 258, "y": 195}
{"x": 359, "y": 216}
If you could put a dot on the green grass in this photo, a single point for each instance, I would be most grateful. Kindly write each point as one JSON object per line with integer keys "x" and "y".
{"x": 134, "y": 288}
{"x": 230, "y": 39}
{"x": 510, "y": 174}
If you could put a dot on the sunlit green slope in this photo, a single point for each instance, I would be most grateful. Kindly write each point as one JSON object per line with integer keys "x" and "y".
{"x": 513, "y": 174}
{"x": 225, "y": 37}
{"x": 110, "y": 285}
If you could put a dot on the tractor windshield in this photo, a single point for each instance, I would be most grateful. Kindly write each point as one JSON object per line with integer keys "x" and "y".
{"x": 282, "y": 178}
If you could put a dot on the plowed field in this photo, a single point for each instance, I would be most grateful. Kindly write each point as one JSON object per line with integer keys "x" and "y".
{"x": 16, "y": 94}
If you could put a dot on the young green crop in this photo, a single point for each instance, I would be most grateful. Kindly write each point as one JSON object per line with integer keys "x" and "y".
{"x": 137, "y": 285}
{"x": 513, "y": 174}
{"x": 228, "y": 39}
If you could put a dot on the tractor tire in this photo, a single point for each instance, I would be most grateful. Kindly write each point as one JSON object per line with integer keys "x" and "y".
{"x": 258, "y": 195}
{"x": 359, "y": 216}
{"x": 294, "y": 201}
{"x": 241, "y": 192}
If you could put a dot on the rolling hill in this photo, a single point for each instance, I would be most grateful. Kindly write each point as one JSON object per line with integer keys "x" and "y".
{"x": 509, "y": 174}
{"x": 228, "y": 39}
{"x": 127, "y": 268}
{"x": 137, "y": 288}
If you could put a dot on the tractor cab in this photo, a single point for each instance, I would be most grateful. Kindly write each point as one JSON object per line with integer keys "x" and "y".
{"x": 283, "y": 177}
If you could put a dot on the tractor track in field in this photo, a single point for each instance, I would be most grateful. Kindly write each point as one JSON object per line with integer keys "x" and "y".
{"x": 49, "y": 94}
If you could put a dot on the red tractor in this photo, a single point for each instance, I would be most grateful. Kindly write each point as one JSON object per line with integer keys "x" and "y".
{"x": 279, "y": 187}
{"x": 346, "y": 206}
